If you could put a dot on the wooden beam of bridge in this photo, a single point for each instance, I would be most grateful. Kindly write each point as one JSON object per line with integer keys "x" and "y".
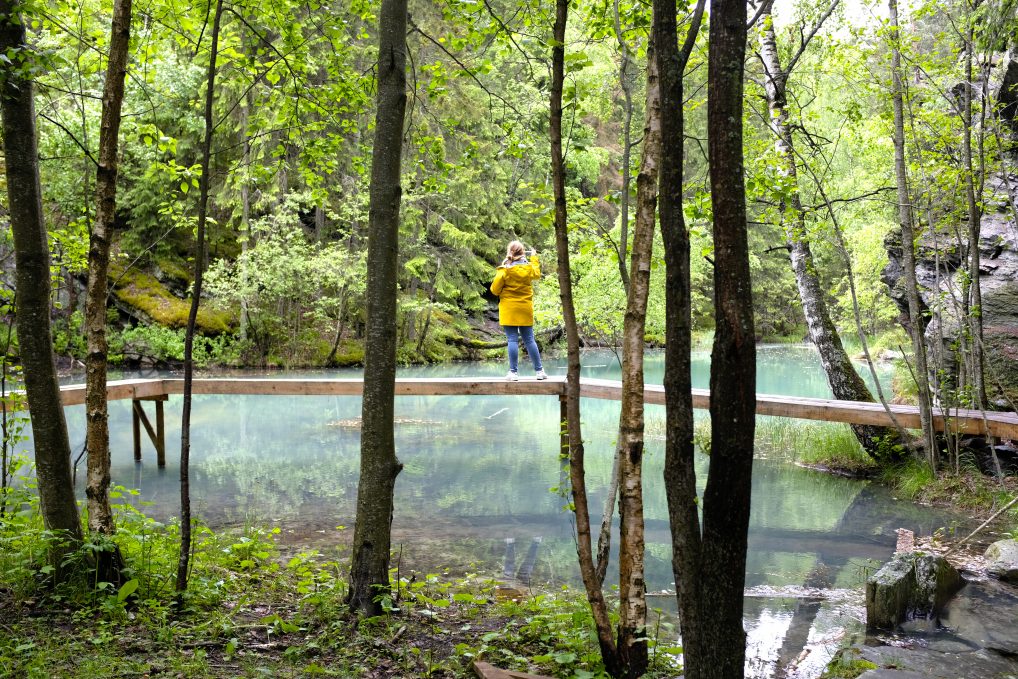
{"x": 999, "y": 424}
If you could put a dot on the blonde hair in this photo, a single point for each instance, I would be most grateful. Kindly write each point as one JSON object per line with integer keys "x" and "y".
{"x": 513, "y": 252}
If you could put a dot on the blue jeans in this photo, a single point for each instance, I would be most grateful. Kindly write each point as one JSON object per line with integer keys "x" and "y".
{"x": 513, "y": 334}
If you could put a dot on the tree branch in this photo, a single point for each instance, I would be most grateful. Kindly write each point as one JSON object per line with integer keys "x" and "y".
{"x": 466, "y": 69}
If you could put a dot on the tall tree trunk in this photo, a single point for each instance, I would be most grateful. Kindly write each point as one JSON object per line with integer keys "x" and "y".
{"x": 246, "y": 237}
{"x": 100, "y": 516}
{"x": 192, "y": 316}
{"x": 627, "y": 147}
{"x": 679, "y": 471}
{"x": 845, "y": 383}
{"x": 973, "y": 300}
{"x": 632, "y": 642}
{"x": 369, "y": 567}
{"x": 32, "y": 282}
{"x": 733, "y": 359}
{"x": 576, "y": 470}
{"x": 908, "y": 243}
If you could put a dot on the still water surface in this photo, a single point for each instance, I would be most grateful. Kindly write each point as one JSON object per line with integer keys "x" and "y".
{"x": 479, "y": 470}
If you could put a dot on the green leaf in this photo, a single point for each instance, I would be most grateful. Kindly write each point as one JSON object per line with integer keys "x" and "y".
{"x": 127, "y": 589}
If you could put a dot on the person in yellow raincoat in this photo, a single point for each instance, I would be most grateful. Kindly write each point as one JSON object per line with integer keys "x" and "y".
{"x": 515, "y": 294}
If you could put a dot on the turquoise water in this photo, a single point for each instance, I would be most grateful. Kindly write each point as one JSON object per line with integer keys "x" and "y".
{"x": 479, "y": 469}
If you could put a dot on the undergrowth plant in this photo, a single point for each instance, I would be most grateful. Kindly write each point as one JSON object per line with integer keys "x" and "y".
{"x": 244, "y": 597}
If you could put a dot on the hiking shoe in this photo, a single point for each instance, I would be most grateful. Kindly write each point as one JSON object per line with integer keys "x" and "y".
{"x": 512, "y": 376}
{"x": 541, "y": 375}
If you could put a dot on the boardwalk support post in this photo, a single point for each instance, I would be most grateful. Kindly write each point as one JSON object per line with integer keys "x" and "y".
{"x": 156, "y": 435}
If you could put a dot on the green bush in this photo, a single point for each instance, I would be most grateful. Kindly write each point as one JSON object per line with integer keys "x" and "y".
{"x": 166, "y": 345}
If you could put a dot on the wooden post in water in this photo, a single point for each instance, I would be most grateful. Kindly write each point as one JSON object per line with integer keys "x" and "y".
{"x": 160, "y": 433}
{"x": 156, "y": 435}
{"x": 136, "y": 428}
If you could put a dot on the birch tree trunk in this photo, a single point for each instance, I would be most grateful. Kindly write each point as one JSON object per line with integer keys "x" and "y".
{"x": 100, "y": 516}
{"x": 908, "y": 243}
{"x": 632, "y": 642}
{"x": 369, "y": 566}
{"x": 846, "y": 384}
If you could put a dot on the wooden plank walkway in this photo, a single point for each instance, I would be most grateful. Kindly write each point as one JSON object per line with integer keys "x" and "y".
{"x": 998, "y": 424}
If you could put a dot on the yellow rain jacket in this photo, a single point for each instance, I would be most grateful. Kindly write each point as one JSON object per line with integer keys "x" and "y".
{"x": 515, "y": 295}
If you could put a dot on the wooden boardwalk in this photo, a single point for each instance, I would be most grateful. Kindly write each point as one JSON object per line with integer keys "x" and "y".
{"x": 998, "y": 424}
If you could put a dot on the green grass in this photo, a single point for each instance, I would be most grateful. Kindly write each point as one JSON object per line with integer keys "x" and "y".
{"x": 814, "y": 443}
{"x": 889, "y": 340}
{"x": 969, "y": 489}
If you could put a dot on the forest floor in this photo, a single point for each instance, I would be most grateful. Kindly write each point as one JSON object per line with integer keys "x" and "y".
{"x": 255, "y": 610}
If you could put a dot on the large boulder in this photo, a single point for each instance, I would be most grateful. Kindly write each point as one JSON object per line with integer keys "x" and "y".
{"x": 909, "y": 586}
{"x": 1002, "y": 560}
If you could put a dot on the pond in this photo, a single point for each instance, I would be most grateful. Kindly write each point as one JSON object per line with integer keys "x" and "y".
{"x": 482, "y": 473}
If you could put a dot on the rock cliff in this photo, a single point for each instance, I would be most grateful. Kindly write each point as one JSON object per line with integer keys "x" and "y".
{"x": 941, "y": 261}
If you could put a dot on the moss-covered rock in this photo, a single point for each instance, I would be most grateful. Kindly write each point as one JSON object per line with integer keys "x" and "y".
{"x": 154, "y": 302}
{"x": 907, "y": 587}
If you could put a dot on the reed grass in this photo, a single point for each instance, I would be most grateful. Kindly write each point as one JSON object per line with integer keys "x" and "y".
{"x": 827, "y": 444}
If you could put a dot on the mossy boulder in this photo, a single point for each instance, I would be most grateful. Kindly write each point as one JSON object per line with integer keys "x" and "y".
{"x": 907, "y": 587}
{"x": 1002, "y": 560}
{"x": 149, "y": 300}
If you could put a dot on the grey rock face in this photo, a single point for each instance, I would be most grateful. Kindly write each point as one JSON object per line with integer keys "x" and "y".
{"x": 1002, "y": 561}
{"x": 941, "y": 259}
{"x": 907, "y": 587}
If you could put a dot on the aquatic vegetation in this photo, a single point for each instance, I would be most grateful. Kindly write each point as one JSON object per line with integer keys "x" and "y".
{"x": 824, "y": 444}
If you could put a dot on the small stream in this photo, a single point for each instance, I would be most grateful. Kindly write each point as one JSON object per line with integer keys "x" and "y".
{"x": 481, "y": 470}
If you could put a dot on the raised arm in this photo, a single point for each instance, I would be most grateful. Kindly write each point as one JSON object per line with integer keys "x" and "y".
{"x": 499, "y": 282}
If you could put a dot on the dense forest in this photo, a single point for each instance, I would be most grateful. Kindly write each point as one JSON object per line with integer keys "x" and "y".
{"x": 303, "y": 185}
{"x": 293, "y": 112}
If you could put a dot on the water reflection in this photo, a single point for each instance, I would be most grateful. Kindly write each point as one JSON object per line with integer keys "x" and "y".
{"x": 481, "y": 469}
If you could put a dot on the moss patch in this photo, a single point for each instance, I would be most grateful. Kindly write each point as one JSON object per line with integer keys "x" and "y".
{"x": 145, "y": 293}
{"x": 847, "y": 665}
{"x": 350, "y": 353}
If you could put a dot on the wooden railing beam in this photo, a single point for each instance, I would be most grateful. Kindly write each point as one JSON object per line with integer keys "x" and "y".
{"x": 998, "y": 424}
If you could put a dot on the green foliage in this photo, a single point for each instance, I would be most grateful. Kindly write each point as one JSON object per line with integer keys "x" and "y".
{"x": 291, "y": 291}
{"x": 847, "y": 665}
{"x": 248, "y": 604}
{"x": 160, "y": 345}
{"x": 69, "y": 337}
